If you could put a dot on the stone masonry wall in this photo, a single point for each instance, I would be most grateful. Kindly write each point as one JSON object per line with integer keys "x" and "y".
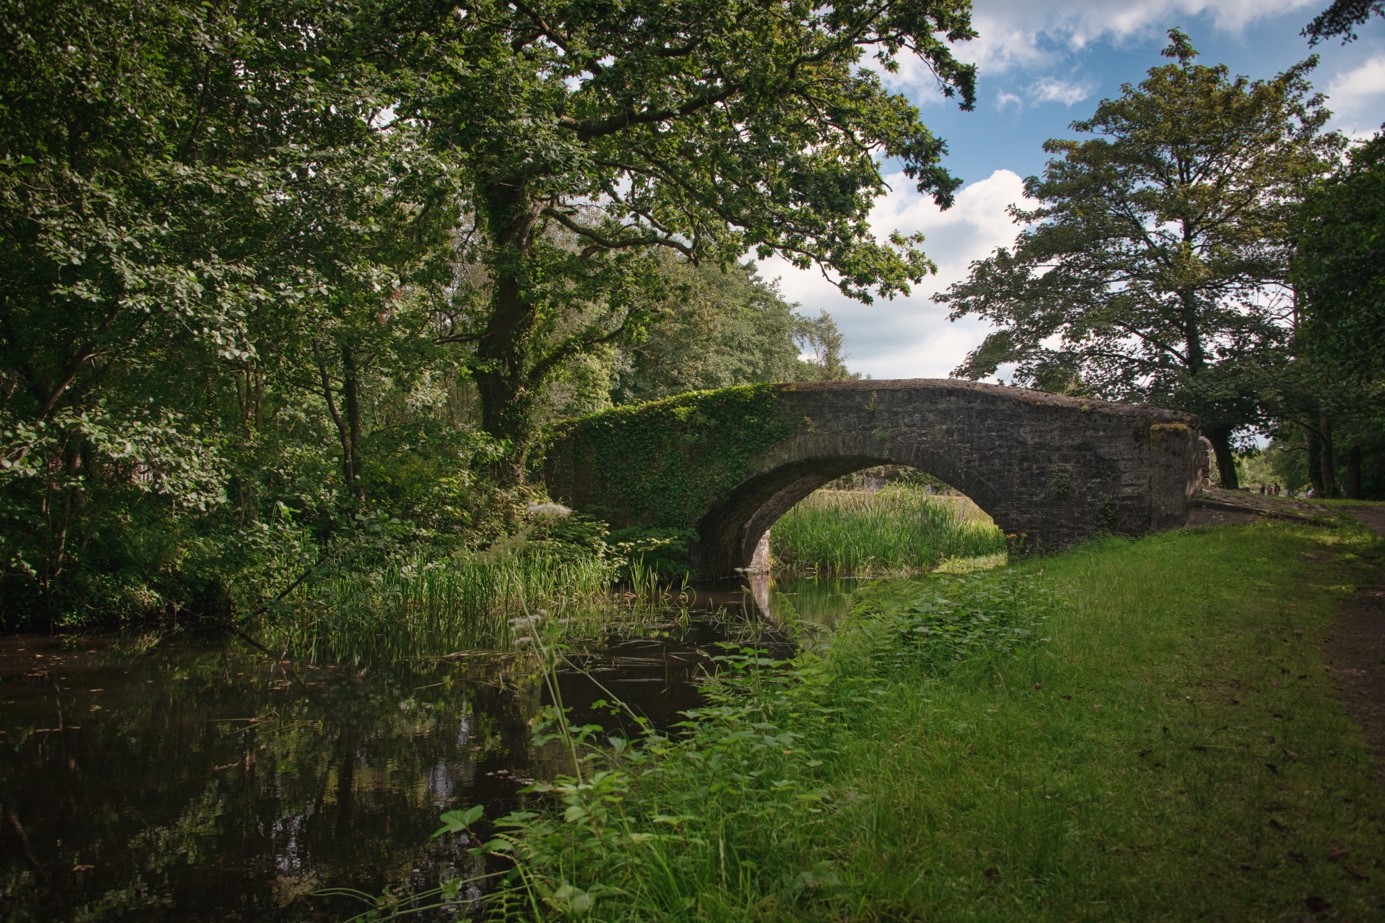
{"x": 1052, "y": 469}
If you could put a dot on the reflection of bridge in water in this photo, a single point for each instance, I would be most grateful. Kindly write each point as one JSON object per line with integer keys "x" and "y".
{"x": 726, "y": 464}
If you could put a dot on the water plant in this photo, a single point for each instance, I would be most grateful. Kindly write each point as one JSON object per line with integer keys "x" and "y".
{"x": 899, "y": 529}
{"x": 559, "y": 569}
{"x": 421, "y": 607}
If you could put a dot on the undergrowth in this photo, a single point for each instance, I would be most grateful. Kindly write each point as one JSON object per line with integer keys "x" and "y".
{"x": 1132, "y": 730}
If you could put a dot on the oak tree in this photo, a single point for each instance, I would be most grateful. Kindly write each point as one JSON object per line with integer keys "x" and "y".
{"x": 588, "y": 135}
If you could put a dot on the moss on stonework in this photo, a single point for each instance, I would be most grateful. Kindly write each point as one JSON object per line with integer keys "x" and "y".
{"x": 662, "y": 464}
{"x": 1158, "y": 431}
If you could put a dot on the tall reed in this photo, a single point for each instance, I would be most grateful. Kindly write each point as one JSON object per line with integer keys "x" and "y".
{"x": 896, "y": 530}
{"x": 433, "y": 607}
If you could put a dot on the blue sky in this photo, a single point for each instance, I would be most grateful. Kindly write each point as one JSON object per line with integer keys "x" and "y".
{"x": 1043, "y": 64}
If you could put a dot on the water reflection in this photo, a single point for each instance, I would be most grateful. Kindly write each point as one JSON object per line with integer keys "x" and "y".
{"x": 194, "y": 783}
{"x": 201, "y": 783}
{"x": 819, "y": 600}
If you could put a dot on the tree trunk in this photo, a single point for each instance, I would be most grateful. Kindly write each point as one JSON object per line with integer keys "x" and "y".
{"x": 1220, "y": 437}
{"x": 1313, "y": 445}
{"x": 1329, "y": 461}
{"x": 1353, "y": 484}
{"x": 347, "y": 419}
{"x": 503, "y": 364}
{"x": 351, "y": 401}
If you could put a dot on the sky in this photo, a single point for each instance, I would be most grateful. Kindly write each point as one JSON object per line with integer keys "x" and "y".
{"x": 1043, "y": 64}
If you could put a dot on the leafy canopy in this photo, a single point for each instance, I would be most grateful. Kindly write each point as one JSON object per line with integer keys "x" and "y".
{"x": 588, "y": 135}
{"x": 1155, "y": 263}
{"x": 1339, "y": 265}
{"x": 1342, "y": 18}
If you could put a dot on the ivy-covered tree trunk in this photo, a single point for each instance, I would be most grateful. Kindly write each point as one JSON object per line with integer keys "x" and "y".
{"x": 1312, "y": 445}
{"x": 1329, "y": 456}
{"x": 505, "y": 350}
{"x": 1220, "y": 437}
{"x": 351, "y": 405}
{"x": 346, "y": 417}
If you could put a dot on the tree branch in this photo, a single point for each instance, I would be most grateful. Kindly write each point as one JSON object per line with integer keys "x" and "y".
{"x": 602, "y": 242}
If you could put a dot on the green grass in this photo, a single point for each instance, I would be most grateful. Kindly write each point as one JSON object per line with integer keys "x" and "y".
{"x": 897, "y": 530}
{"x": 1129, "y": 731}
{"x": 1342, "y": 504}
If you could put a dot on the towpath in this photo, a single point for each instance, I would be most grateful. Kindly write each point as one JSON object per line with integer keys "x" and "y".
{"x": 1356, "y": 651}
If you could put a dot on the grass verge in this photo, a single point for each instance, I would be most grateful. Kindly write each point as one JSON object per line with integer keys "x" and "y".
{"x": 1133, "y": 730}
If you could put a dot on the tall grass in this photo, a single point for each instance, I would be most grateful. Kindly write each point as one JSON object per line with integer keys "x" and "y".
{"x": 899, "y": 529}
{"x": 1130, "y": 731}
{"x": 427, "y": 607}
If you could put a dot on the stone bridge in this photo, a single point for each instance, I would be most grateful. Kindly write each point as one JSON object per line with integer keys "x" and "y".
{"x": 719, "y": 467}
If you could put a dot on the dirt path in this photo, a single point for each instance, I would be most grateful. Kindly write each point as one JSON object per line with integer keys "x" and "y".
{"x": 1356, "y": 652}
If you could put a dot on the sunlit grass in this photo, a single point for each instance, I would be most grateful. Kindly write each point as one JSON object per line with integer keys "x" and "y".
{"x": 1129, "y": 731}
{"x": 897, "y": 530}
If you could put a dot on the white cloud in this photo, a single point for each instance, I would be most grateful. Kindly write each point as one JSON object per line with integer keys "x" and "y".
{"x": 1005, "y": 100}
{"x": 1032, "y": 35}
{"x": 1067, "y": 92}
{"x": 1357, "y": 97}
{"x": 911, "y": 337}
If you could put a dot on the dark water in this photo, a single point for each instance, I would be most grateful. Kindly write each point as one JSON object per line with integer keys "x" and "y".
{"x": 209, "y": 783}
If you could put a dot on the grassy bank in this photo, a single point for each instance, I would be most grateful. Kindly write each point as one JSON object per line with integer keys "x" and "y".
{"x": 901, "y": 529}
{"x": 1134, "y": 730}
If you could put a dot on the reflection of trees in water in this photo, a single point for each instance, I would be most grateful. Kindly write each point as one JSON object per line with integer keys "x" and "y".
{"x": 196, "y": 785}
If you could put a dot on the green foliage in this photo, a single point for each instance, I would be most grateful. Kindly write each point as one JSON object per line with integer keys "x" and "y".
{"x": 895, "y": 530}
{"x": 587, "y": 137}
{"x": 661, "y": 554}
{"x": 244, "y": 341}
{"x": 1329, "y": 395}
{"x": 957, "y": 620}
{"x": 1154, "y": 267}
{"x": 670, "y": 486}
{"x": 1066, "y": 741}
{"x": 717, "y": 327}
{"x": 427, "y": 608}
{"x": 716, "y": 823}
{"x": 819, "y": 339}
{"x": 1339, "y": 264}
{"x": 208, "y": 239}
{"x": 1342, "y": 18}
{"x": 429, "y": 474}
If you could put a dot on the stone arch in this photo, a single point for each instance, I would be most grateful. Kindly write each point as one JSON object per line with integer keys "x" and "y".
{"x": 726, "y": 464}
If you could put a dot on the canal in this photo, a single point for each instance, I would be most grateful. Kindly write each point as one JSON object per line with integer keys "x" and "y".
{"x": 200, "y": 781}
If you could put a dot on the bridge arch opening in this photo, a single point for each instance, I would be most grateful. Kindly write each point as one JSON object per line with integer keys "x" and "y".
{"x": 891, "y": 519}
{"x": 735, "y": 536}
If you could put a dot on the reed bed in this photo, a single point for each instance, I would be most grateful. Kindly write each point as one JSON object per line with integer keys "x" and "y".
{"x": 422, "y": 608}
{"x": 898, "y": 530}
